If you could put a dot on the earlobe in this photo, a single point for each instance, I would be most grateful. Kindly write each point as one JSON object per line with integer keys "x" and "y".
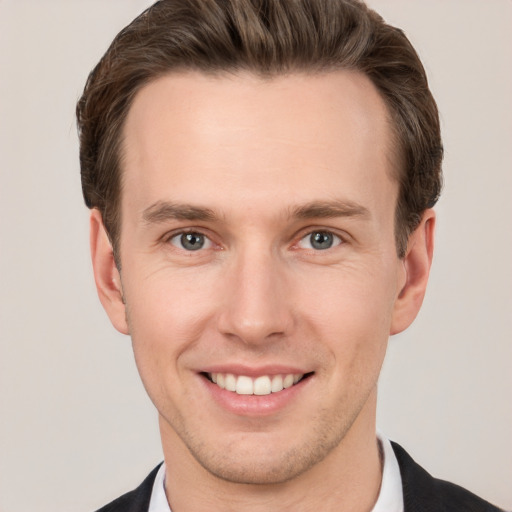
{"x": 106, "y": 274}
{"x": 417, "y": 263}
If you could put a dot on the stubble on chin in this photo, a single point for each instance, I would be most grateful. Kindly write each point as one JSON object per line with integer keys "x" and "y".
{"x": 258, "y": 462}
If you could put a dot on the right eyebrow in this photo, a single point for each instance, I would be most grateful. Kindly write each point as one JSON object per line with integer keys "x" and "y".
{"x": 162, "y": 211}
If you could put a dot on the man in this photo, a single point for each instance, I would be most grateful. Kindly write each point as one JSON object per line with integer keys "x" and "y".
{"x": 261, "y": 176}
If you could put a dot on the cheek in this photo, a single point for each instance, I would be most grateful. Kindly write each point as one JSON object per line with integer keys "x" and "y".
{"x": 166, "y": 315}
{"x": 350, "y": 312}
{"x": 359, "y": 297}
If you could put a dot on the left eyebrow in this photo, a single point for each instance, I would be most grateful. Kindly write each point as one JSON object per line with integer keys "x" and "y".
{"x": 163, "y": 211}
{"x": 330, "y": 209}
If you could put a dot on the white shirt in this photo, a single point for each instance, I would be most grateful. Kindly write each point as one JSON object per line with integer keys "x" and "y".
{"x": 390, "y": 495}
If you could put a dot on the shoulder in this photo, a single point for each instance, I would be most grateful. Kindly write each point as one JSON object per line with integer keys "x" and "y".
{"x": 422, "y": 492}
{"x": 136, "y": 500}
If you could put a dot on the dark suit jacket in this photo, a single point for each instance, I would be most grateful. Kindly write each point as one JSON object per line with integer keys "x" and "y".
{"x": 422, "y": 492}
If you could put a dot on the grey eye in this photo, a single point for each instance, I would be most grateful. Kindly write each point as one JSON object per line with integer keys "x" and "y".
{"x": 320, "y": 240}
{"x": 190, "y": 241}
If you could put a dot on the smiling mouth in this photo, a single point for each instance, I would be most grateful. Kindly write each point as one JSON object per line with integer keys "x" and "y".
{"x": 262, "y": 385}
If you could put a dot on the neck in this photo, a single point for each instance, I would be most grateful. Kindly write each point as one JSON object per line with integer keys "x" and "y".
{"x": 348, "y": 478}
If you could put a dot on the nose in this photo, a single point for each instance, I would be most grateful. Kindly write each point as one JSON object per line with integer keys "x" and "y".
{"x": 256, "y": 303}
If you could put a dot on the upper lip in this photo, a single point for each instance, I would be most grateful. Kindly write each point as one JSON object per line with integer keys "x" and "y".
{"x": 252, "y": 371}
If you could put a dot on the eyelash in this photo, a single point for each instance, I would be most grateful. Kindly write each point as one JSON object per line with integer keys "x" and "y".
{"x": 337, "y": 240}
{"x": 179, "y": 236}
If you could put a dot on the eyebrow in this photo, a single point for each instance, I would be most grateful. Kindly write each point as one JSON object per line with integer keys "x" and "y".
{"x": 163, "y": 211}
{"x": 330, "y": 209}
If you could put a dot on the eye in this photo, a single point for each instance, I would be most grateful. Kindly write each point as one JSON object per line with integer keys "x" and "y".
{"x": 320, "y": 240}
{"x": 190, "y": 241}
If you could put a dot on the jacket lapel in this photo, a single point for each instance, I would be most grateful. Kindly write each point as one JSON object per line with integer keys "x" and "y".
{"x": 136, "y": 500}
{"x": 424, "y": 493}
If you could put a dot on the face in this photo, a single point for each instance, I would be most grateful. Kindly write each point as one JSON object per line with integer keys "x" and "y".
{"x": 260, "y": 279}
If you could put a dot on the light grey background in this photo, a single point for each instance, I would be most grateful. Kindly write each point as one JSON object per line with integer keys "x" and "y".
{"x": 76, "y": 428}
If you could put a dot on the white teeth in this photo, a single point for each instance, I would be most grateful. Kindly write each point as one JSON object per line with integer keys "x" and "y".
{"x": 230, "y": 382}
{"x": 244, "y": 385}
{"x": 277, "y": 383}
{"x": 264, "y": 385}
{"x": 288, "y": 381}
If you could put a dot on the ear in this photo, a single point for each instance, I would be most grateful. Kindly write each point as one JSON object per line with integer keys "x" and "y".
{"x": 416, "y": 268}
{"x": 106, "y": 275}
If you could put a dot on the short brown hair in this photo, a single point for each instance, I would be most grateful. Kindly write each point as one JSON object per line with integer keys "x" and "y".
{"x": 267, "y": 37}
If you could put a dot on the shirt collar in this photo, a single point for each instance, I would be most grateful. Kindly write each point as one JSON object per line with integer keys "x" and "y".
{"x": 391, "y": 497}
{"x": 159, "y": 501}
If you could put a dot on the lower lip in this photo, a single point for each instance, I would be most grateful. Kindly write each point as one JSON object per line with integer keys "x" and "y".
{"x": 254, "y": 405}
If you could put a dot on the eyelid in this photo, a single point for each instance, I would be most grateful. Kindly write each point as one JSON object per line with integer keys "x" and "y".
{"x": 309, "y": 230}
{"x": 175, "y": 234}
{"x": 337, "y": 239}
{"x": 340, "y": 238}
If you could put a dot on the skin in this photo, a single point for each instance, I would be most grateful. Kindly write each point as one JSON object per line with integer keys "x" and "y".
{"x": 256, "y": 166}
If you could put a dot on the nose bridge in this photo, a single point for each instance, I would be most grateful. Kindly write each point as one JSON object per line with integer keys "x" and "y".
{"x": 255, "y": 306}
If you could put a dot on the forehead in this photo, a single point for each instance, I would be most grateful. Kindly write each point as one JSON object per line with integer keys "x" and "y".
{"x": 276, "y": 138}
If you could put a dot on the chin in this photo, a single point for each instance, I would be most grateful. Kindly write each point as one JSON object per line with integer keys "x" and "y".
{"x": 263, "y": 466}
{"x": 276, "y": 471}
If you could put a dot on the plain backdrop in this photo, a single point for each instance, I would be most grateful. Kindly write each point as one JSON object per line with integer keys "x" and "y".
{"x": 76, "y": 428}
